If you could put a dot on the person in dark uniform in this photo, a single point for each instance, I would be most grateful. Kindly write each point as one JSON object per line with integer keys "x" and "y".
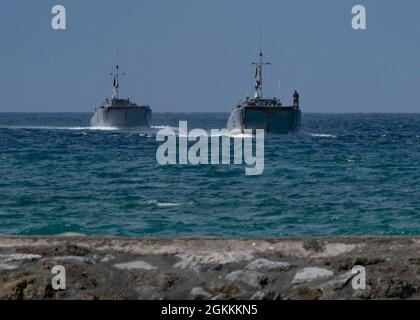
{"x": 296, "y": 99}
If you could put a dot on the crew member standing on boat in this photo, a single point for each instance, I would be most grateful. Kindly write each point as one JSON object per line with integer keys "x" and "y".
{"x": 296, "y": 99}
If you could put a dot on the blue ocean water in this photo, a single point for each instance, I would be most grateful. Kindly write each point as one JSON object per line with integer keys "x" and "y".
{"x": 349, "y": 174}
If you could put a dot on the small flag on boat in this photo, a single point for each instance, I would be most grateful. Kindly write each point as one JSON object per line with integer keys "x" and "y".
{"x": 257, "y": 77}
{"x": 115, "y": 88}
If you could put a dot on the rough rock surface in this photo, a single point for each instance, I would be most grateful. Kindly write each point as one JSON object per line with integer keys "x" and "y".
{"x": 311, "y": 274}
{"x": 140, "y": 265}
{"x": 258, "y": 269}
{"x": 249, "y": 278}
{"x": 264, "y": 264}
{"x": 200, "y": 294}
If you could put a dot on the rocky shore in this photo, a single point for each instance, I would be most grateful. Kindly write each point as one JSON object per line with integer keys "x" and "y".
{"x": 219, "y": 269}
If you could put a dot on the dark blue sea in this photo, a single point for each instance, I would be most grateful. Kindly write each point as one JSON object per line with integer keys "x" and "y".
{"x": 343, "y": 174}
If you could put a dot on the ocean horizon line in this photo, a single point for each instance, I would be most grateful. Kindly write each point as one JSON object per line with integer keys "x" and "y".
{"x": 213, "y": 112}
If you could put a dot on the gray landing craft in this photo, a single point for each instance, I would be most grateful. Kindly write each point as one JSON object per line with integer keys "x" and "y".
{"x": 267, "y": 114}
{"x": 120, "y": 113}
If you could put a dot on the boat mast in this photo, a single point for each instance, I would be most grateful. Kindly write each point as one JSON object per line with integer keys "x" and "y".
{"x": 116, "y": 75}
{"x": 259, "y": 72}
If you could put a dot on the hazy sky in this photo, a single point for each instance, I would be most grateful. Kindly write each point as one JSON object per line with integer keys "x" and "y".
{"x": 194, "y": 55}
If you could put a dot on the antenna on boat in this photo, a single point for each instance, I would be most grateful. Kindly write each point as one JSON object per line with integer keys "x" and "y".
{"x": 116, "y": 75}
{"x": 259, "y": 72}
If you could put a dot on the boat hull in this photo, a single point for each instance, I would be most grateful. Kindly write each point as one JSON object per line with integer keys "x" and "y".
{"x": 281, "y": 120}
{"x": 122, "y": 117}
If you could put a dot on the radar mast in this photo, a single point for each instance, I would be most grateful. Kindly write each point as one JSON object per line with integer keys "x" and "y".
{"x": 258, "y": 76}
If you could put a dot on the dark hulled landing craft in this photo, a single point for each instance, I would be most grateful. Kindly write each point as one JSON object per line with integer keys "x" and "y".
{"x": 267, "y": 114}
{"x": 120, "y": 113}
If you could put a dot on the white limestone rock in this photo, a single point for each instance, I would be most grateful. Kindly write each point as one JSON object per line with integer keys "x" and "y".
{"x": 312, "y": 274}
{"x": 215, "y": 257}
{"x": 8, "y": 266}
{"x": 264, "y": 264}
{"x": 19, "y": 257}
{"x": 135, "y": 265}
{"x": 200, "y": 293}
{"x": 78, "y": 259}
{"x": 251, "y": 278}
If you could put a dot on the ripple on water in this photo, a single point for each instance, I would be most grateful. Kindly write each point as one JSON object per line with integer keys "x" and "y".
{"x": 342, "y": 175}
